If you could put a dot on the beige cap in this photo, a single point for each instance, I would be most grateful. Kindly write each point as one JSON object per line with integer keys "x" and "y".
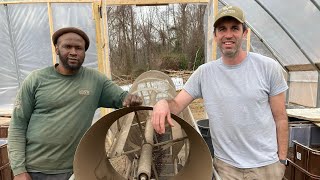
{"x": 230, "y": 11}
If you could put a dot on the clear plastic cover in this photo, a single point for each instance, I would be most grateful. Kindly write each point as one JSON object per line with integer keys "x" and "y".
{"x": 8, "y": 74}
{"x": 271, "y": 32}
{"x": 302, "y": 19}
{"x": 25, "y": 46}
{"x": 77, "y": 15}
{"x": 26, "y": 43}
{"x": 303, "y": 88}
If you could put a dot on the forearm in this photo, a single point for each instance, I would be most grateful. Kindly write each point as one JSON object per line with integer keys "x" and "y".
{"x": 23, "y": 109}
{"x": 163, "y": 108}
{"x": 174, "y": 107}
{"x": 17, "y": 136}
{"x": 277, "y": 104}
{"x": 16, "y": 149}
{"x": 282, "y": 137}
{"x": 180, "y": 102}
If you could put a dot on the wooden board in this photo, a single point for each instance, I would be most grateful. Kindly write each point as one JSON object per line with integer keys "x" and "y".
{"x": 4, "y": 121}
{"x": 110, "y": 2}
{"x": 5, "y": 113}
{"x": 4, "y": 125}
{"x": 312, "y": 114}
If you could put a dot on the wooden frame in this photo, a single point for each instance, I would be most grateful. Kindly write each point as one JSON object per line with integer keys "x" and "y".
{"x": 53, "y": 49}
{"x": 301, "y": 67}
{"x": 111, "y": 2}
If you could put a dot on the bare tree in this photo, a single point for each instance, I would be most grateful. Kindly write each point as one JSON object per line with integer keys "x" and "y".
{"x": 155, "y": 37}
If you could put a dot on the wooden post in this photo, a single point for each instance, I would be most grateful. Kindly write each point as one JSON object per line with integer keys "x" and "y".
{"x": 105, "y": 46}
{"x": 106, "y": 40}
{"x": 100, "y": 53}
{"x": 248, "y": 39}
{"x": 97, "y": 19}
{"x": 214, "y": 43}
{"x": 53, "y": 49}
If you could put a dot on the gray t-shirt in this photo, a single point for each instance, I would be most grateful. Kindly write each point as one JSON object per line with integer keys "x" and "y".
{"x": 236, "y": 99}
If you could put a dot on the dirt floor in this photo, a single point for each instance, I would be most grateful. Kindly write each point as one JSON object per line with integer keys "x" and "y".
{"x": 197, "y": 109}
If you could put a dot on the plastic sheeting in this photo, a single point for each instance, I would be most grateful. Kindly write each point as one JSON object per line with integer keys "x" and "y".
{"x": 8, "y": 74}
{"x": 26, "y": 46}
{"x": 270, "y": 31}
{"x": 78, "y": 15}
{"x": 303, "y": 88}
{"x": 25, "y": 40}
{"x": 301, "y": 20}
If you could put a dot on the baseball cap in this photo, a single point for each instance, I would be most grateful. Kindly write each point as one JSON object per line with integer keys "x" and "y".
{"x": 65, "y": 30}
{"x": 229, "y": 11}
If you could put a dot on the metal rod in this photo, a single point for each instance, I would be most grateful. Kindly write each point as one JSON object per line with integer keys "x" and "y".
{"x": 175, "y": 166}
{"x": 143, "y": 177}
{"x": 140, "y": 127}
{"x": 145, "y": 161}
{"x": 170, "y": 142}
{"x": 136, "y": 124}
{"x": 315, "y": 4}
{"x": 124, "y": 153}
{"x": 155, "y": 171}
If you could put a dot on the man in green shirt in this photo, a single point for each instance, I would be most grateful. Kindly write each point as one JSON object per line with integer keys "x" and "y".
{"x": 54, "y": 108}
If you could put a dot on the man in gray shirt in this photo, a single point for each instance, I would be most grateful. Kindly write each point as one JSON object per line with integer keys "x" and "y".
{"x": 244, "y": 96}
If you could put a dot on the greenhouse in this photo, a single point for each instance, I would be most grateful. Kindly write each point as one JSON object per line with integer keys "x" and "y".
{"x": 174, "y": 37}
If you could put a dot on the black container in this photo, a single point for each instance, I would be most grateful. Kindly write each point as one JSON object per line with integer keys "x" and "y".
{"x": 205, "y": 132}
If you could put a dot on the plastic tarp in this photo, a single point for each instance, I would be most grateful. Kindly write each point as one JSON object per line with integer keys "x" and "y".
{"x": 25, "y": 40}
{"x": 25, "y": 45}
{"x": 274, "y": 35}
{"x": 301, "y": 20}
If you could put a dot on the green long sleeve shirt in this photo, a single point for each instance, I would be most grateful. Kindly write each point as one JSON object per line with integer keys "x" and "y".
{"x": 51, "y": 114}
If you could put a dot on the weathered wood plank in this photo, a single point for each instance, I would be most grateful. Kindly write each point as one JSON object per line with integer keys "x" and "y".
{"x": 311, "y": 114}
{"x": 5, "y": 113}
{"x": 4, "y": 121}
{"x": 300, "y": 67}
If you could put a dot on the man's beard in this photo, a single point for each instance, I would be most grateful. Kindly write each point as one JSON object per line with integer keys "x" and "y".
{"x": 65, "y": 64}
{"x": 231, "y": 53}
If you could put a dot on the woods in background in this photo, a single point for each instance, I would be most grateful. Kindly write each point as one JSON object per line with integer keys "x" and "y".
{"x": 155, "y": 37}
